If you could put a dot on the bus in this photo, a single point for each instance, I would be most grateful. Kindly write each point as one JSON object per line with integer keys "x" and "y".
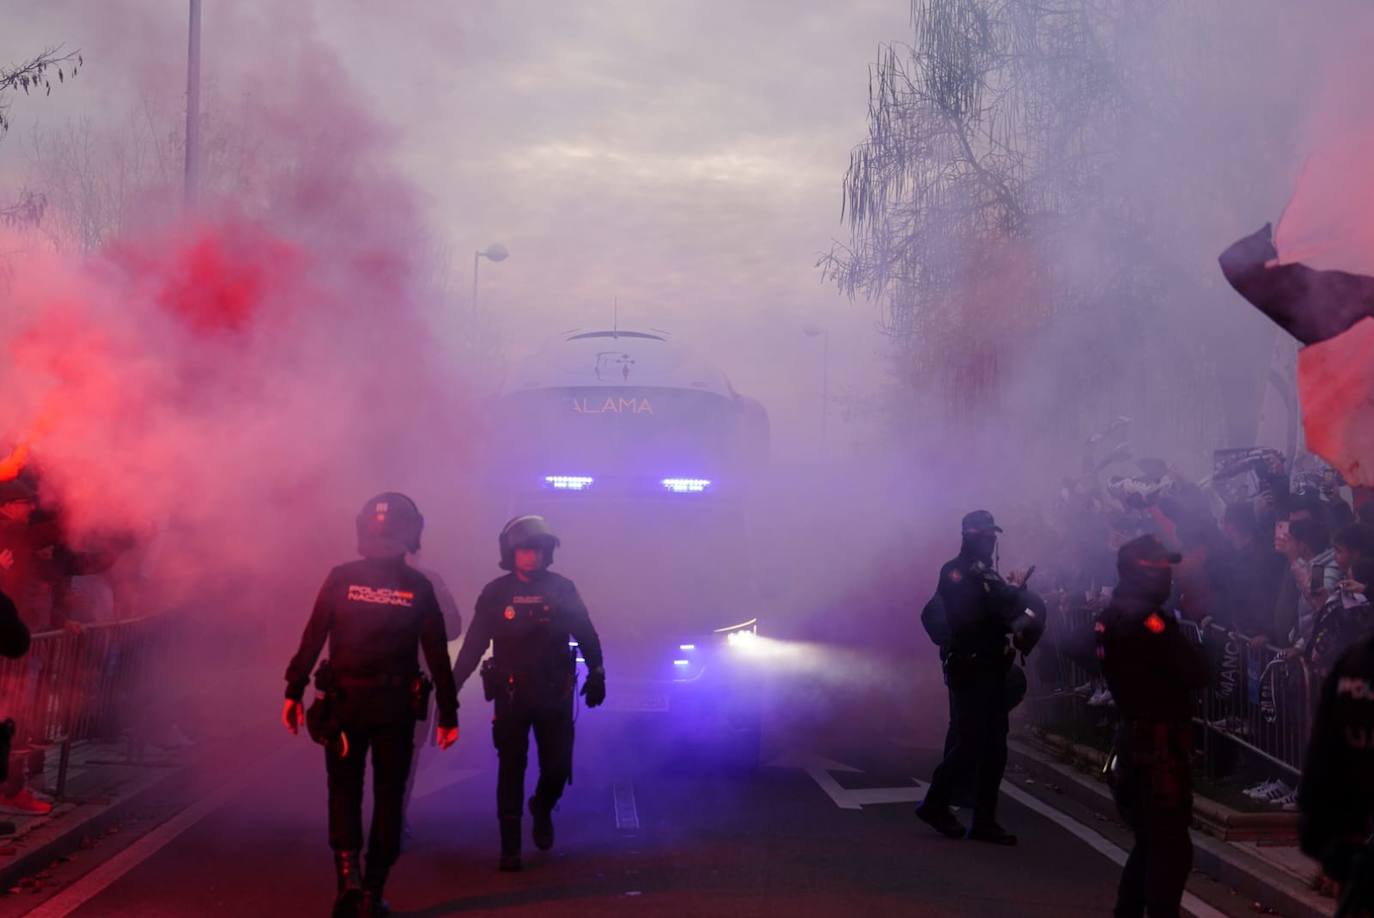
{"x": 641, "y": 455}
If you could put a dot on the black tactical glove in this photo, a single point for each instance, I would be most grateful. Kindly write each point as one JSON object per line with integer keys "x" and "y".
{"x": 594, "y": 689}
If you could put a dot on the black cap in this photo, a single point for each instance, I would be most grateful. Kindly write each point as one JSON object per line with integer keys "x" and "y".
{"x": 980, "y": 521}
{"x": 1148, "y": 550}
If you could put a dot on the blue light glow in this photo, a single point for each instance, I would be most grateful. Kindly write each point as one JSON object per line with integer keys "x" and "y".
{"x": 686, "y": 485}
{"x": 569, "y": 482}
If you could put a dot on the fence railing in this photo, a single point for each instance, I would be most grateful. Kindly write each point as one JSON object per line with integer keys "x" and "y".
{"x": 72, "y": 687}
{"x": 1258, "y": 698}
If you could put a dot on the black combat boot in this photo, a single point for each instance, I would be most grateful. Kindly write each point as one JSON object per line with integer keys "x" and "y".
{"x": 374, "y": 880}
{"x": 940, "y": 819}
{"x": 992, "y": 833}
{"x": 348, "y": 867}
{"x": 510, "y": 845}
{"x": 542, "y": 825}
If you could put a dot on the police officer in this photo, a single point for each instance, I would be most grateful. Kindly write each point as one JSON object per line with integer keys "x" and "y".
{"x": 981, "y": 611}
{"x": 1336, "y": 794}
{"x": 375, "y": 613}
{"x": 528, "y": 616}
{"x": 1153, "y": 671}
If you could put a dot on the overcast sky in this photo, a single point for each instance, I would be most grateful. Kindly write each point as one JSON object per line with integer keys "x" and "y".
{"x": 682, "y": 158}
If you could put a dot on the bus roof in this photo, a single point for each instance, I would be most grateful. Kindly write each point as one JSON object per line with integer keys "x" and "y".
{"x": 618, "y": 358}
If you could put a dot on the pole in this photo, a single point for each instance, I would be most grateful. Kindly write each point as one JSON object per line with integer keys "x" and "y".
{"x": 193, "y": 108}
{"x": 475, "y": 256}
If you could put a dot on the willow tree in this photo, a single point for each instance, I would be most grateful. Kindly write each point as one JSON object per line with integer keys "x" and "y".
{"x": 986, "y": 138}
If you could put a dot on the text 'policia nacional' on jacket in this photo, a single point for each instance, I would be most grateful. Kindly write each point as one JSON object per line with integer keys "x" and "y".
{"x": 373, "y": 612}
{"x": 527, "y": 623}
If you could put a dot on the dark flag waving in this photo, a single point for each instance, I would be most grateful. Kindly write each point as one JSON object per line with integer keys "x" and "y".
{"x": 1310, "y": 305}
{"x": 1332, "y": 313}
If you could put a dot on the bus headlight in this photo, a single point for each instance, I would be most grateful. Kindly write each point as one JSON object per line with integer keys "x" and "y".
{"x": 742, "y": 636}
{"x": 686, "y": 485}
{"x": 569, "y": 482}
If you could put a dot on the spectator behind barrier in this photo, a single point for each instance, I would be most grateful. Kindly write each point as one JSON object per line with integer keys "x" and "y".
{"x": 1306, "y": 543}
{"x": 14, "y": 634}
{"x": 1353, "y": 543}
{"x": 14, "y": 642}
{"x": 1245, "y": 574}
{"x": 26, "y": 567}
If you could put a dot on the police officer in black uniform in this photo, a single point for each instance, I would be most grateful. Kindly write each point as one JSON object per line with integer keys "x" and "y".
{"x": 1153, "y": 670}
{"x": 981, "y": 611}
{"x": 528, "y": 616}
{"x": 1336, "y": 794}
{"x": 376, "y": 613}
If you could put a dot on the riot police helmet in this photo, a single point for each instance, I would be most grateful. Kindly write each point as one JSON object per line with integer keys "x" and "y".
{"x": 526, "y": 532}
{"x": 389, "y": 525}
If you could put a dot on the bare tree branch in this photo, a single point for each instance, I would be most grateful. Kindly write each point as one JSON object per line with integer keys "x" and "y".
{"x": 34, "y": 74}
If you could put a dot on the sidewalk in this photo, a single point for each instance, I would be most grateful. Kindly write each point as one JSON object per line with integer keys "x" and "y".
{"x": 1275, "y": 875}
{"x": 102, "y": 784}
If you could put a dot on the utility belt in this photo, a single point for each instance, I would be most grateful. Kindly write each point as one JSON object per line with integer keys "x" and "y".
{"x": 961, "y": 666}
{"x": 499, "y": 682}
{"x": 332, "y": 688}
{"x": 379, "y": 681}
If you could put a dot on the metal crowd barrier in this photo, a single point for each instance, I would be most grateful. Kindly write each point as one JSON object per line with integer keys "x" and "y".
{"x": 1257, "y": 698}
{"x": 74, "y": 687}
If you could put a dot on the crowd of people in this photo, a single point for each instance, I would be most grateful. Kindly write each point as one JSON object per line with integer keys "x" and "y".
{"x": 53, "y": 585}
{"x": 1277, "y": 559}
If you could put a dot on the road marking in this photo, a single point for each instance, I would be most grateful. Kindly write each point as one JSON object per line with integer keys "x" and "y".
{"x": 1099, "y": 843}
{"x": 626, "y": 812}
{"x": 108, "y": 873}
{"x": 822, "y": 771}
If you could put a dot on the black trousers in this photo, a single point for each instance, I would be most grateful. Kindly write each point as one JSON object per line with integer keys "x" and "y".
{"x": 392, "y": 746}
{"x": 978, "y": 724}
{"x": 1154, "y": 795}
{"x": 551, "y": 719}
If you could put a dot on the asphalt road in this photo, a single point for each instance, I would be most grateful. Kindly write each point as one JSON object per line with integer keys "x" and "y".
{"x": 822, "y": 828}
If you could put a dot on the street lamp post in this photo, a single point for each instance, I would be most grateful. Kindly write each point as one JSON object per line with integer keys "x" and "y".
{"x": 815, "y": 331}
{"x": 192, "y": 180}
{"x": 494, "y": 252}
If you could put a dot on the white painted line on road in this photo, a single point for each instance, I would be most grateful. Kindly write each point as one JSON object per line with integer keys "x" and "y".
{"x": 626, "y": 811}
{"x": 108, "y": 873}
{"x": 1099, "y": 843}
{"x": 820, "y": 768}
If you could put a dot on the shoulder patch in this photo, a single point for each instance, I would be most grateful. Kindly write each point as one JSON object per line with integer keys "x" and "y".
{"x": 956, "y": 575}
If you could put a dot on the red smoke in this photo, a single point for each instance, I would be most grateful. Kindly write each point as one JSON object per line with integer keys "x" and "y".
{"x": 242, "y": 380}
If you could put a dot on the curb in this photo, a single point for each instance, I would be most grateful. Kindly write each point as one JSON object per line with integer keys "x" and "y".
{"x": 1223, "y": 861}
{"x": 1216, "y": 819}
{"x": 65, "y": 835}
